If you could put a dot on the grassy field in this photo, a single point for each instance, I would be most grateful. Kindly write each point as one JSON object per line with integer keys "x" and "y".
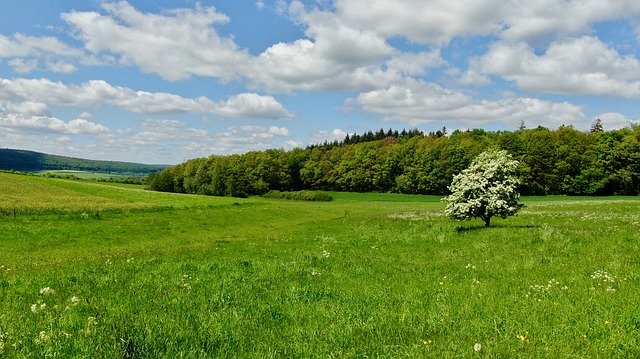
{"x": 100, "y": 271}
{"x": 83, "y": 174}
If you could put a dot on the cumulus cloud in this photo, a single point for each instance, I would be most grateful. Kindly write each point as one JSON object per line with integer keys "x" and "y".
{"x": 36, "y": 117}
{"x": 420, "y": 102}
{"x": 575, "y": 66}
{"x": 176, "y": 45}
{"x": 427, "y": 22}
{"x": 437, "y": 22}
{"x": 98, "y": 92}
{"x": 333, "y": 56}
{"x": 415, "y": 64}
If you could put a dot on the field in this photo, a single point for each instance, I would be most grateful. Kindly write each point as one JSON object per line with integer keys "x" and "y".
{"x": 101, "y": 271}
{"x": 83, "y": 174}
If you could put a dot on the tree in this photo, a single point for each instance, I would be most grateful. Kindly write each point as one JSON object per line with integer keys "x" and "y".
{"x": 597, "y": 126}
{"x": 485, "y": 189}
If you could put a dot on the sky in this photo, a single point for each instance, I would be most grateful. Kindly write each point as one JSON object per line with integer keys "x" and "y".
{"x": 165, "y": 81}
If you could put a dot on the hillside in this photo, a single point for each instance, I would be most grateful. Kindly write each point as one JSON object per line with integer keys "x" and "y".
{"x": 30, "y": 161}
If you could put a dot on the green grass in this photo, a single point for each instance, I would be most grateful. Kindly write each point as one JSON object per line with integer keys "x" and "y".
{"x": 367, "y": 275}
{"x": 83, "y": 174}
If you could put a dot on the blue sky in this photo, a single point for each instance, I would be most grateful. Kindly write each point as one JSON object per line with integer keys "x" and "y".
{"x": 161, "y": 82}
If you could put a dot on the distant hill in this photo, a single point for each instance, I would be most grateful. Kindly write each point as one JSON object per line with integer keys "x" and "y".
{"x": 30, "y": 161}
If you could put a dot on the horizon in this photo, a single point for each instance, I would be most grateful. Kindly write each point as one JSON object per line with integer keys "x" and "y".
{"x": 132, "y": 81}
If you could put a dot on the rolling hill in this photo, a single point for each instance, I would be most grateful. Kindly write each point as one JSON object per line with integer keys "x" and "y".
{"x": 30, "y": 161}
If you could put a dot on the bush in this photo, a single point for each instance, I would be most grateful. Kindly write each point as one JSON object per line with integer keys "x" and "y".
{"x": 312, "y": 196}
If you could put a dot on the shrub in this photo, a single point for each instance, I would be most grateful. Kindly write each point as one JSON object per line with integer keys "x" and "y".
{"x": 313, "y": 196}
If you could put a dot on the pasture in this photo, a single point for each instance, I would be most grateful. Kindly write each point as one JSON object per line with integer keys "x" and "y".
{"x": 98, "y": 270}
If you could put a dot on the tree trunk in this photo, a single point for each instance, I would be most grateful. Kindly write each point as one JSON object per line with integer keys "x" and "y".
{"x": 487, "y": 221}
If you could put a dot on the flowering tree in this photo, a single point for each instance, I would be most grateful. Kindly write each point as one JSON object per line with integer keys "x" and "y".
{"x": 486, "y": 189}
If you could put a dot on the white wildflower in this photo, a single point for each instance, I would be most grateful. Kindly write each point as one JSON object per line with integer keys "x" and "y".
{"x": 42, "y": 337}
{"x": 38, "y": 306}
{"x": 47, "y": 291}
{"x": 477, "y": 347}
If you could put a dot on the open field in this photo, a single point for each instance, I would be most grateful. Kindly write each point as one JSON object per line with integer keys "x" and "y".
{"x": 84, "y": 174}
{"x": 96, "y": 270}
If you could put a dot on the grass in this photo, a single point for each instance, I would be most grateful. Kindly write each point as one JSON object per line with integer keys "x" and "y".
{"x": 367, "y": 275}
{"x": 84, "y": 174}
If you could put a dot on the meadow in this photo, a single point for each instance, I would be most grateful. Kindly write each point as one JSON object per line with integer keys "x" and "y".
{"x": 97, "y": 270}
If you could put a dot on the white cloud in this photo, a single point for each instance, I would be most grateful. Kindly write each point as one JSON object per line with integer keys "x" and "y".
{"x": 97, "y": 92}
{"x": 614, "y": 120}
{"x": 252, "y": 105}
{"x": 321, "y": 136}
{"x": 530, "y": 19}
{"x": 20, "y": 45}
{"x": 415, "y": 64}
{"x": 37, "y": 117}
{"x": 22, "y": 66}
{"x": 574, "y": 66}
{"x": 439, "y": 21}
{"x": 333, "y": 56}
{"x": 427, "y": 22}
{"x": 61, "y": 67}
{"x": 419, "y": 102}
{"x": 176, "y": 45}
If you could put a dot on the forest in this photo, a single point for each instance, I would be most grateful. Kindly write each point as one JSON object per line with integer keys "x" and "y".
{"x": 562, "y": 161}
{"x": 30, "y": 161}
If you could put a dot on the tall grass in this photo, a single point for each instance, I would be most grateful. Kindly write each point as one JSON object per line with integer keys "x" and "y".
{"x": 188, "y": 276}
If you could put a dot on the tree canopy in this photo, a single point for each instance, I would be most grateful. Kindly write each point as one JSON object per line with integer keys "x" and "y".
{"x": 561, "y": 161}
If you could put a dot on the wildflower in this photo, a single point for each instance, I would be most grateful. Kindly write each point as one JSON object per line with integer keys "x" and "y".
{"x": 47, "y": 291}
{"x": 42, "y": 337}
{"x": 523, "y": 338}
{"x": 38, "y": 306}
{"x": 477, "y": 347}
{"x": 315, "y": 272}
{"x": 326, "y": 254}
{"x": 427, "y": 342}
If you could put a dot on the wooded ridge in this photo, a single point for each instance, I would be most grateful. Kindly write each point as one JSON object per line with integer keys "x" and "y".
{"x": 562, "y": 161}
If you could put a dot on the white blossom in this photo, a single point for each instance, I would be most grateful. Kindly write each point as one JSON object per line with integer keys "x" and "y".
{"x": 487, "y": 188}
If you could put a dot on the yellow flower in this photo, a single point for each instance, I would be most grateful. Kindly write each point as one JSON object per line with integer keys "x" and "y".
{"x": 523, "y": 338}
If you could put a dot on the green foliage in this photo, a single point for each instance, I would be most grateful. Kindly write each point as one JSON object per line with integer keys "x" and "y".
{"x": 487, "y": 188}
{"x": 367, "y": 275}
{"x": 311, "y": 196}
{"x": 563, "y": 161}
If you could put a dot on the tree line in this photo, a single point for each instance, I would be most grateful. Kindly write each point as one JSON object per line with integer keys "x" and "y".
{"x": 561, "y": 161}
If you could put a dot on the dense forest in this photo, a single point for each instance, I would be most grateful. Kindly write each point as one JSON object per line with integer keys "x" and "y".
{"x": 562, "y": 161}
{"x": 29, "y": 161}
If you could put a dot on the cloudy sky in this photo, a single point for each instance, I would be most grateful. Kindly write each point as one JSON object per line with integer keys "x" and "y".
{"x": 165, "y": 81}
